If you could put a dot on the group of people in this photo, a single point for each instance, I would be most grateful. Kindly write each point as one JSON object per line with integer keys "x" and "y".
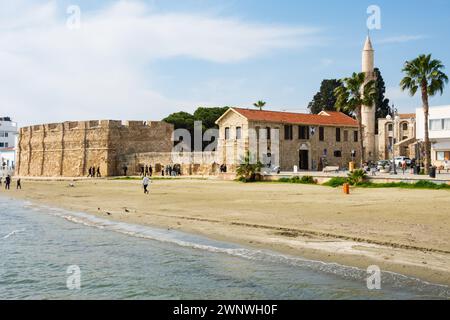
{"x": 171, "y": 170}
{"x": 94, "y": 172}
{"x": 8, "y": 181}
{"x": 146, "y": 171}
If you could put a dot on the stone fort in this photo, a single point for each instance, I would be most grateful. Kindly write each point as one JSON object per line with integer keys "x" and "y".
{"x": 69, "y": 149}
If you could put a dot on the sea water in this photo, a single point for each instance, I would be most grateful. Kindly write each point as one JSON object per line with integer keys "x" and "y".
{"x": 123, "y": 261}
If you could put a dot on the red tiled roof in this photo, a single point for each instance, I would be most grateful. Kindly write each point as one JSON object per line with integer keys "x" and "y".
{"x": 331, "y": 118}
{"x": 407, "y": 115}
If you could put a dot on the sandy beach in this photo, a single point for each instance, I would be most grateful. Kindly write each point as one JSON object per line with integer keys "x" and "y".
{"x": 404, "y": 231}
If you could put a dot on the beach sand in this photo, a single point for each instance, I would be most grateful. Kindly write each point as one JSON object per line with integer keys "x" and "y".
{"x": 400, "y": 230}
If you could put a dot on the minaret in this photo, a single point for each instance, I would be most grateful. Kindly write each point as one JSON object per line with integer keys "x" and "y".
{"x": 368, "y": 112}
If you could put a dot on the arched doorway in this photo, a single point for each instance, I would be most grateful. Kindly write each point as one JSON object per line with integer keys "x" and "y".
{"x": 303, "y": 157}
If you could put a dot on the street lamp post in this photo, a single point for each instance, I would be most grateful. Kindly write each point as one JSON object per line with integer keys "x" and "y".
{"x": 394, "y": 123}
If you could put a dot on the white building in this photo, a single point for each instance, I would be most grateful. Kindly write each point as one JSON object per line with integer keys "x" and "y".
{"x": 8, "y": 138}
{"x": 439, "y": 131}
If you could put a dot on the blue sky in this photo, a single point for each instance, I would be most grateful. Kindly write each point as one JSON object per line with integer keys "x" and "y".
{"x": 146, "y": 59}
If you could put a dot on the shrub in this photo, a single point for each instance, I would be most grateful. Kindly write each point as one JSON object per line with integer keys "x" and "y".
{"x": 357, "y": 177}
{"x": 336, "y": 182}
{"x": 247, "y": 171}
{"x": 296, "y": 179}
{"x": 308, "y": 180}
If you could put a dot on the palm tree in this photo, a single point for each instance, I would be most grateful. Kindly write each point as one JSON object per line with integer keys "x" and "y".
{"x": 354, "y": 93}
{"x": 260, "y": 104}
{"x": 424, "y": 73}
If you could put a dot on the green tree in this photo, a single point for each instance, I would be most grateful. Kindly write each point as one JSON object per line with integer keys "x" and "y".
{"x": 325, "y": 100}
{"x": 209, "y": 116}
{"x": 426, "y": 74}
{"x": 351, "y": 96}
{"x": 185, "y": 120}
{"x": 181, "y": 120}
{"x": 260, "y": 104}
{"x": 382, "y": 108}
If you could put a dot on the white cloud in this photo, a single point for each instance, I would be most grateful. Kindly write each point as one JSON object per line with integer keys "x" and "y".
{"x": 401, "y": 39}
{"x": 51, "y": 73}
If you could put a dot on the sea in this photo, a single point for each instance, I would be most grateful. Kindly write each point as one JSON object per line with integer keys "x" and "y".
{"x": 50, "y": 253}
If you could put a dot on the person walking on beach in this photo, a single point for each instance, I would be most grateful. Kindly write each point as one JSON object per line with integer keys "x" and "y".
{"x": 89, "y": 172}
{"x": 404, "y": 166}
{"x": 7, "y": 182}
{"x": 125, "y": 169}
{"x": 1, "y": 180}
{"x": 19, "y": 185}
{"x": 98, "y": 173}
{"x": 145, "y": 183}
{"x": 150, "y": 170}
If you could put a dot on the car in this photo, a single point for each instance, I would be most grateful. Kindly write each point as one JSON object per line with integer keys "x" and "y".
{"x": 383, "y": 165}
{"x": 399, "y": 160}
{"x": 271, "y": 170}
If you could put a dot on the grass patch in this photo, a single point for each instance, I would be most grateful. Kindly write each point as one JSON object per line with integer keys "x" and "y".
{"x": 422, "y": 184}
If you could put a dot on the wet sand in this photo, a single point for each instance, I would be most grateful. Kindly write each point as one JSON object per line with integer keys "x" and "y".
{"x": 400, "y": 230}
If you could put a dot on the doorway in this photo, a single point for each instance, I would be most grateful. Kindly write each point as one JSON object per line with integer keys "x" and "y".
{"x": 304, "y": 160}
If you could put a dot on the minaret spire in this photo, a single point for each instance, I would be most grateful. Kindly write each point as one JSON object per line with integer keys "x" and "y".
{"x": 368, "y": 112}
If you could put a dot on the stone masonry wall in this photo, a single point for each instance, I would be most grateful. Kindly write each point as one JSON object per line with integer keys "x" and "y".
{"x": 69, "y": 149}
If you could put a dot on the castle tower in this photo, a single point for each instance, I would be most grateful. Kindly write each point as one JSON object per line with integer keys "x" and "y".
{"x": 368, "y": 112}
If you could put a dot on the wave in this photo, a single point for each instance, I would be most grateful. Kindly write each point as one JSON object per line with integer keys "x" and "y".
{"x": 13, "y": 233}
{"x": 175, "y": 237}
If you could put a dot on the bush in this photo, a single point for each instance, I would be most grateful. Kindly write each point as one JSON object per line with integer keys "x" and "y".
{"x": 296, "y": 179}
{"x": 357, "y": 177}
{"x": 247, "y": 171}
{"x": 336, "y": 182}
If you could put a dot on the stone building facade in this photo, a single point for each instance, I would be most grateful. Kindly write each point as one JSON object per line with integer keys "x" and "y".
{"x": 69, "y": 149}
{"x": 307, "y": 141}
{"x": 402, "y": 131}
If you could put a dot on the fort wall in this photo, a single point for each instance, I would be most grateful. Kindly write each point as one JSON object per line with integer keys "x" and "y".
{"x": 69, "y": 149}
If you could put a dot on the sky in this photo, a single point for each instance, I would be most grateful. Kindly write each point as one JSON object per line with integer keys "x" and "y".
{"x": 142, "y": 60}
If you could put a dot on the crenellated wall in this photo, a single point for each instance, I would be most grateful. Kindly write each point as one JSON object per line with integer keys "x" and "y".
{"x": 69, "y": 149}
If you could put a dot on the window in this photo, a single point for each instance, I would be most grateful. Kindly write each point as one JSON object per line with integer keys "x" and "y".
{"x": 355, "y": 136}
{"x": 405, "y": 126}
{"x": 227, "y": 133}
{"x": 288, "y": 132}
{"x": 238, "y": 133}
{"x": 3, "y": 134}
{"x": 321, "y": 133}
{"x": 443, "y": 155}
{"x": 337, "y": 154}
{"x": 436, "y": 125}
{"x": 2, "y": 145}
{"x": 303, "y": 132}
{"x": 268, "y": 133}
{"x": 338, "y": 134}
{"x": 345, "y": 135}
{"x": 390, "y": 127}
{"x": 446, "y": 124}
{"x": 6, "y": 145}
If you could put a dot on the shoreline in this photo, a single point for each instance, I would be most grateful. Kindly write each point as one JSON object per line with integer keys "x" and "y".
{"x": 422, "y": 260}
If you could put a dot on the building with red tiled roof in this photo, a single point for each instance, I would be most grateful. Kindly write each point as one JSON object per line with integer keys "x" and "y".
{"x": 304, "y": 141}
